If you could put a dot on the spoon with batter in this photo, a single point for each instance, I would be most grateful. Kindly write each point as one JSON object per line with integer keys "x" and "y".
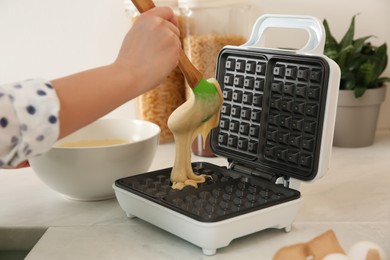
{"x": 186, "y": 123}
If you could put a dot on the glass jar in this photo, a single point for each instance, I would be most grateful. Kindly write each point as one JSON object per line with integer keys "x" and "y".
{"x": 157, "y": 104}
{"x": 206, "y": 27}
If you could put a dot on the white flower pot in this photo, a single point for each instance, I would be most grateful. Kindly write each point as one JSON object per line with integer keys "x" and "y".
{"x": 356, "y": 118}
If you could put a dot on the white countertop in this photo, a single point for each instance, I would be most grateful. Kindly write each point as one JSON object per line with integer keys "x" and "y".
{"x": 353, "y": 199}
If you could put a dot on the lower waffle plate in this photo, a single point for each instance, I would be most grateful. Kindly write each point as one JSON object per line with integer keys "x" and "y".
{"x": 225, "y": 194}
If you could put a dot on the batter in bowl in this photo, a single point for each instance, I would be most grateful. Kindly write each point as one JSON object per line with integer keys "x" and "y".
{"x": 198, "y": 115}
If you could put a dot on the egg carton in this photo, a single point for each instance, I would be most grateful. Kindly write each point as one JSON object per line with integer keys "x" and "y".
{"x": 275, "y": 130}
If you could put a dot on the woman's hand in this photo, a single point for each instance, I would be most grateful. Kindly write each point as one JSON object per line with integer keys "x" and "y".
{"x": 149, "y": 52}
{"x": 151, "y": 49}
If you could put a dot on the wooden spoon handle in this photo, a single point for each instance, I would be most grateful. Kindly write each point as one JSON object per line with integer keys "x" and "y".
{"x": 143, "y": 5}
{"x": 191, "y": 73}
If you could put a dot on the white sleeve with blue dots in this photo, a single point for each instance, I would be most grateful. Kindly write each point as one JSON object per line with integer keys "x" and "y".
{"x": 28, "y": 120}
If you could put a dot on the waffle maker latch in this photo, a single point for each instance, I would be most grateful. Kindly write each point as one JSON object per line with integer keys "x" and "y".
{"x": 251, "y": 171}
{"x": 283, "y": 180}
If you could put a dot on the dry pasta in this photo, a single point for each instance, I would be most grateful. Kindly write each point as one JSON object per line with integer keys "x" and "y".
{"x": 203, "y": 50}
{"x": 157, "y": 105}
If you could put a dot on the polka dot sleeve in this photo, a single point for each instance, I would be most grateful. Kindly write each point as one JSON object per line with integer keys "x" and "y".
{"x": 28, "y": 120}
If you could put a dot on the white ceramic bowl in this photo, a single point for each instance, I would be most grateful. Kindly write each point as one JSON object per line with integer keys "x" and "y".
{"x": 87, "y": 173}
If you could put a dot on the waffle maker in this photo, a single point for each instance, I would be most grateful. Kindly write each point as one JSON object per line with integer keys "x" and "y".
{"x": 276, "y": 130}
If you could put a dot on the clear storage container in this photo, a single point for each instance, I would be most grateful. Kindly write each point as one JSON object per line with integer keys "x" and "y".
{"x": 206, "y": 27}
{"x": 157, "y": 105}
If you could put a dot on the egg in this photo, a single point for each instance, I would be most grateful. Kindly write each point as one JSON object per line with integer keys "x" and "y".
{"x": 360, "y": 250}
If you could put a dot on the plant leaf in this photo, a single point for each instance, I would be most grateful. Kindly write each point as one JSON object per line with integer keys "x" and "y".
{"x": 348, "y": 83}
{"x": 382, "y": 81}
{"x": 332, "y": 54}
{"x": 331, "y": 44}
{"x": 348, "y": 37}
{"x": 380, "y": 60}
{"x": 343, "y": 58}
{"x": 359, "y": 91}
{"x": 358, "y": 44}
{"x": 364, "y": 74}
{"x": 355, "y": 62}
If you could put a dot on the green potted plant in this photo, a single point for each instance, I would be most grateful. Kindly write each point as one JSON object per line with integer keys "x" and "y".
{"x": 362, "y": 86}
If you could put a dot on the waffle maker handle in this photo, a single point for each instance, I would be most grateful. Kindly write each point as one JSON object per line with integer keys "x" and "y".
{"x": 313, "y": 26}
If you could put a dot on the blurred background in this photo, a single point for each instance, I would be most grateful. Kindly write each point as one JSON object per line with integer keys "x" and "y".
{"x": 53, "y": 38}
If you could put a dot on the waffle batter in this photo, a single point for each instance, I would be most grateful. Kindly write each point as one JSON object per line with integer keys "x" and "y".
{"x": 187, "y": 122}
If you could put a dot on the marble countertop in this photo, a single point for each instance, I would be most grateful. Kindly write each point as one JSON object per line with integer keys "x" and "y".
{"x": 353, "y": 199}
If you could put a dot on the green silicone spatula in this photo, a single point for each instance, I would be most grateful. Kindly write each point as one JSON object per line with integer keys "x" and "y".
{"x": 200, "y": 86}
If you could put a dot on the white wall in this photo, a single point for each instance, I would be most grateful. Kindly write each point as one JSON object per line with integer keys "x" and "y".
{"x": 52, "y": 38}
